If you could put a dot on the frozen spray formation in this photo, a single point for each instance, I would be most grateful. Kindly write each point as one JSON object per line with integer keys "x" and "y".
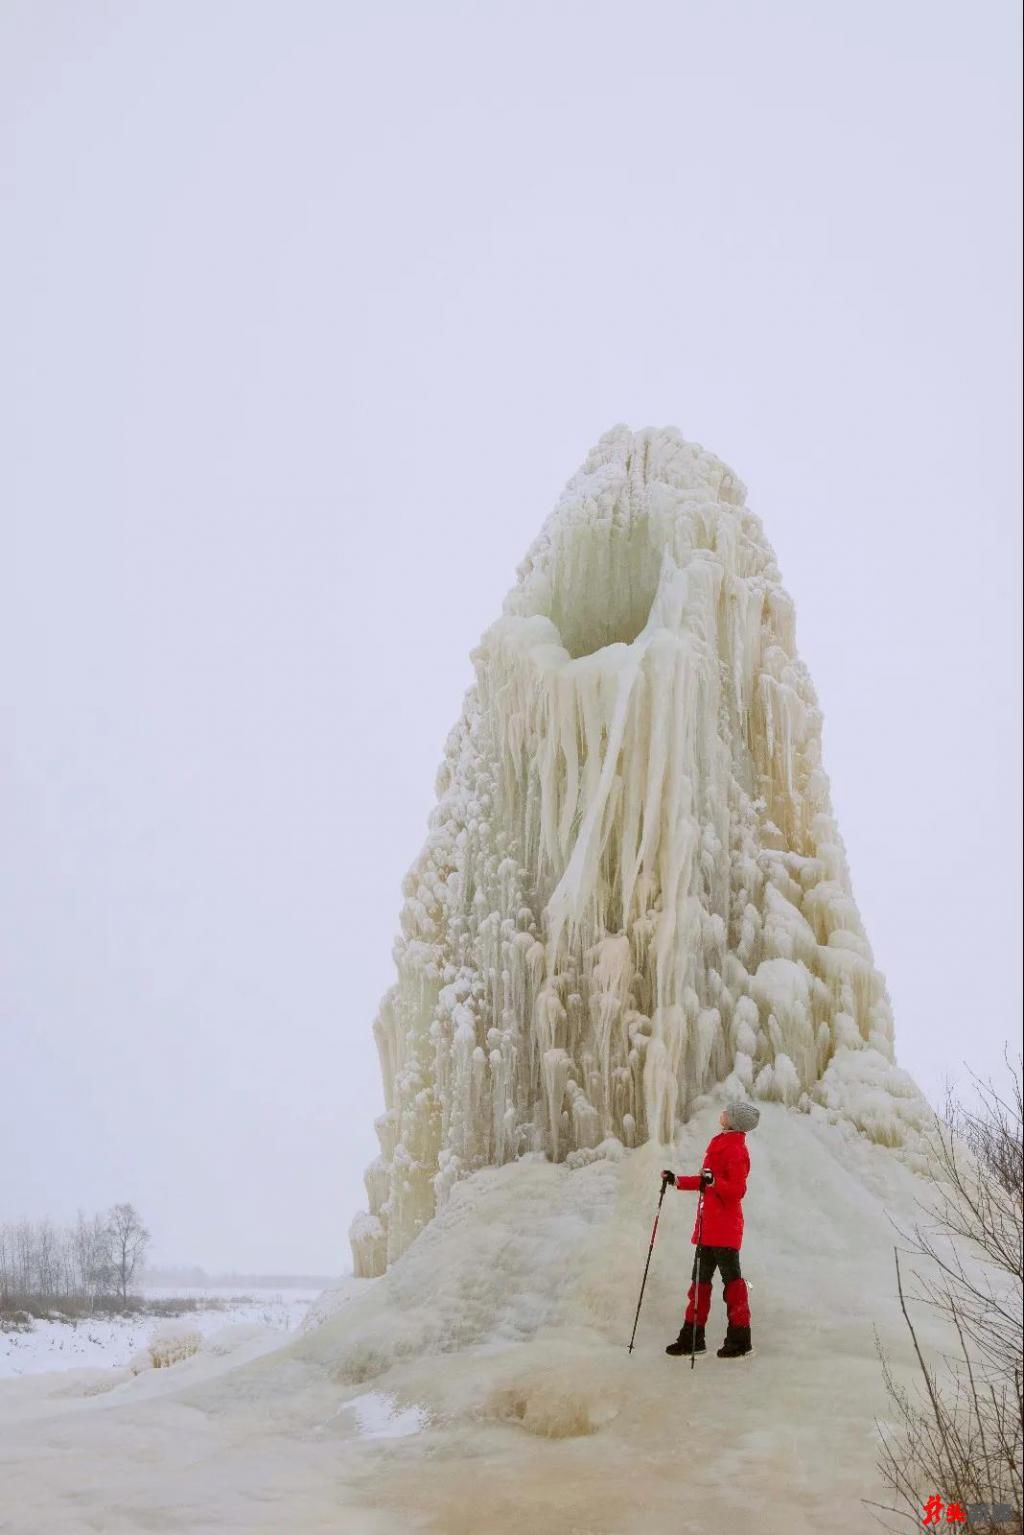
{"x": 633, "y": 888}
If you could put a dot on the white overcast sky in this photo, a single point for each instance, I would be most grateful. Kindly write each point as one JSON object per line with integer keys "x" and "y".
{"x": 307, "y": 312}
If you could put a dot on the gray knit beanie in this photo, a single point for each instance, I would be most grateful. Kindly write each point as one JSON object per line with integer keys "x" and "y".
{"x": 742, "y": 1116}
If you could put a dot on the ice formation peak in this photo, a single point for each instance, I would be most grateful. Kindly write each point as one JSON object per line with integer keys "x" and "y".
{"x": 633, "y": 889}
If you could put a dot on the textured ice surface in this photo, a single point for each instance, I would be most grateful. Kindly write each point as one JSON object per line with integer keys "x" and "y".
{"x": 633, "y": 889}
{"x": 379, "y": 1417}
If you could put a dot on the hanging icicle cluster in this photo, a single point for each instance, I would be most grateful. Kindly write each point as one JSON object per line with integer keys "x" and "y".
{"x": 633, "y": 887}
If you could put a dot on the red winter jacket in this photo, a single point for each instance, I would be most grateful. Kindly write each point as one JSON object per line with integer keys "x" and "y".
{"x": 722, "y": 1219}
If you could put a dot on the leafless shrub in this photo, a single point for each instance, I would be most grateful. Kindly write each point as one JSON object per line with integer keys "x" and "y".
{"x": 958, "y": 1436}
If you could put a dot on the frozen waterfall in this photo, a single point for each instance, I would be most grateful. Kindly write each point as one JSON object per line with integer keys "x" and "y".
{"x": 633, "y": 888}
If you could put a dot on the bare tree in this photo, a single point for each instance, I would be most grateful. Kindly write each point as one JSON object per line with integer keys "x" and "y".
{"x": 47, "y": 1259}
{"x": 961, "y": 1434}
{"x": 93, "y": 1260}
{"x": 127, "y": 1242}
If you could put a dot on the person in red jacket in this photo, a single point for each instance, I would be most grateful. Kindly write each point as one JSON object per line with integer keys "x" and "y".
{"x": 718, "y": 1235}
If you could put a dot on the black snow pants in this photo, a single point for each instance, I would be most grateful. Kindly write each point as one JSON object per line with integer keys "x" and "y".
{"x": 725, "y": 1259}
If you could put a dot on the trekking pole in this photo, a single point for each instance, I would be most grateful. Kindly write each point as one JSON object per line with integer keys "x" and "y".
{"x": 696, "y": 1271}
{"x": 654, "y": 1233}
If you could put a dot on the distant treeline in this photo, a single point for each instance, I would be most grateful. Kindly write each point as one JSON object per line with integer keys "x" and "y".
{"x": 97, "y": 1259}
{"x": 191, "y": 1277}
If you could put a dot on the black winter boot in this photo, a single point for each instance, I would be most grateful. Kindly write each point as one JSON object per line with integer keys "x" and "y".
{"x": 689, "y": 1341}
{"x": 737, "y": 1343}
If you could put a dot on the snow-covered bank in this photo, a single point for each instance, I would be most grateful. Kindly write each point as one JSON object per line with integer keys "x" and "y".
{"x": 113, "y": 1341}
{"x": 483, "y": 1383}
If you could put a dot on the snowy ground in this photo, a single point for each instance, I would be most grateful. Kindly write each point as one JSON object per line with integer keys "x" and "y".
{"x": 483, "y": 1386}
{"x": 113, "y": 1341}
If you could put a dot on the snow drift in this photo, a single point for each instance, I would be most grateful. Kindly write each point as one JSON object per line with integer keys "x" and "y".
{"x": 633, "y": 887}
{"x": 483, "y": 1382}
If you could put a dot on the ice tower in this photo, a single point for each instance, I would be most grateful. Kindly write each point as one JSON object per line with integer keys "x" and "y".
{"x": 633, "y": 888}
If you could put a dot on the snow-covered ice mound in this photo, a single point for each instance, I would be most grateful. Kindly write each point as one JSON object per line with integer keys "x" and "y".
{"x": 633, "y": 888}
{"x": 483, "y": 1382}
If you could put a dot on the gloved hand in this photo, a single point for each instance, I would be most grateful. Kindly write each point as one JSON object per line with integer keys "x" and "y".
{"x": 668, "y": 1177}
{"x": 707, "y": 1177}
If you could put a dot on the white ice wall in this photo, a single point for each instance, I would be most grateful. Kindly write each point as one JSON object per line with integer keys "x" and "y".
{"x": 633, "y": 887}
